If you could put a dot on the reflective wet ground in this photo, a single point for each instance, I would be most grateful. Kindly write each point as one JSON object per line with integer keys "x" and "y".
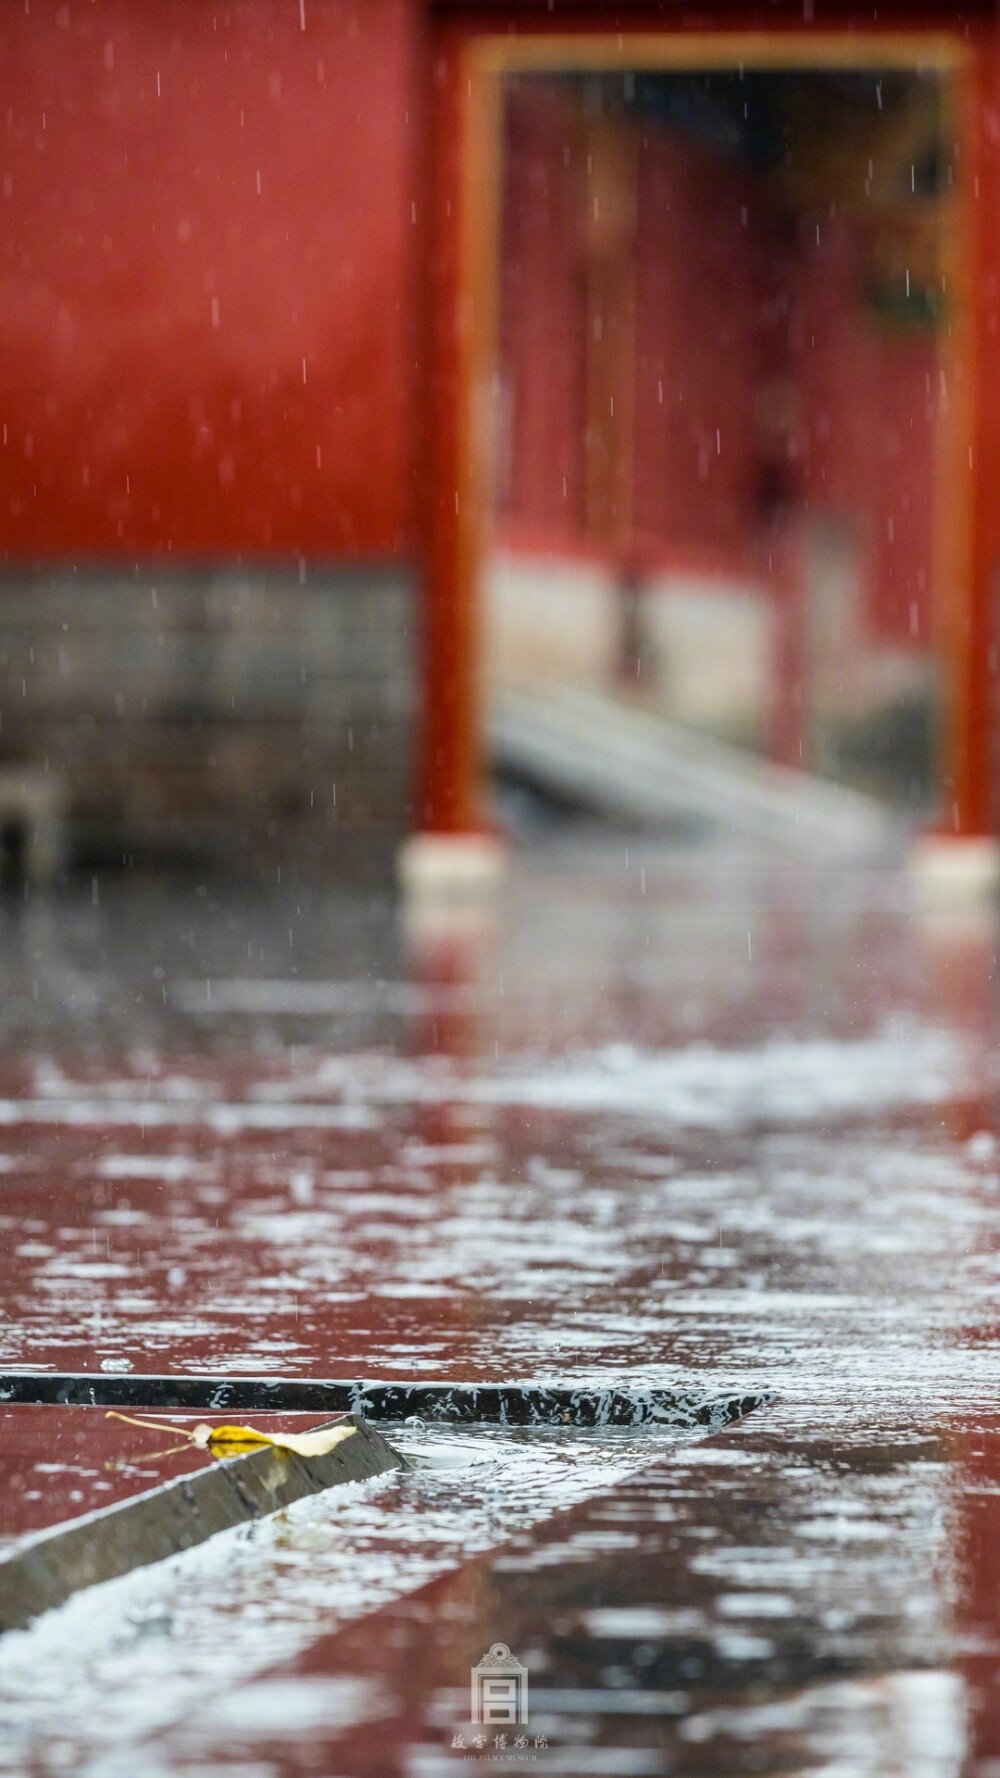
{"x": 662, "y": 1117}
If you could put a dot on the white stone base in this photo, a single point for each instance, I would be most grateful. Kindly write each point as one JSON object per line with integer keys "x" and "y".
{"x": 950, "y": 872}
{"x": 451, "y": 866}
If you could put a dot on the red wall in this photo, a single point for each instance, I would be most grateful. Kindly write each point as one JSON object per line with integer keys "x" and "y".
{"x": 542, "y": 313}
{"x": 869, "y": 412}
{"x": 728, "y": 312}
{"x": 195, "y": 199}
{"x": 694, "y": 326}
{"x": 696, "y": 344}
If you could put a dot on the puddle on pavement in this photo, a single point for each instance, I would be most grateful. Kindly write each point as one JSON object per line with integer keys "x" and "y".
{"x": 163, "y": 1641}
{"x": 634, "y": 1149}
{"x": 569, "y": 1247}
{"x": 755, "y": 1596}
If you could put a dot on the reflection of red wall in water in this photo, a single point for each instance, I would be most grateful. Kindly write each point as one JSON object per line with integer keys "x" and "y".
{"x": 726, "y": 310}
{"x": 197, "y": 202}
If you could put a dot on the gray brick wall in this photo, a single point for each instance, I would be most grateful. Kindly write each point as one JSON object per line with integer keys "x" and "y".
{"x": 250, "y": 714}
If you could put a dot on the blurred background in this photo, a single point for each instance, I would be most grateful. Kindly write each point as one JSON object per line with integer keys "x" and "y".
{"x": 389, "y": 406}
{"x": 725, "y": 353}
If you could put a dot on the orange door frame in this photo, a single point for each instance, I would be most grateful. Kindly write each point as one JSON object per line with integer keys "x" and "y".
{"x": 456, "y": 451}
{"x": 974, "y": 725}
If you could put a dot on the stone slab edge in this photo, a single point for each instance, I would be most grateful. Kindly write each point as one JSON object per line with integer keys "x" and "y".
{"x": 48, "y": 1568}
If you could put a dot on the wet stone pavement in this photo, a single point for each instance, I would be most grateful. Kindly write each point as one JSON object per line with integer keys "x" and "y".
{"x": 661, "y": 1118}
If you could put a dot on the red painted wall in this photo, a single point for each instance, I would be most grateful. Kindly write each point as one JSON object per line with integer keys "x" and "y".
{"x": 728, "y": 313}
{"x": 869, "y": 412}
{"x": 542, "y": 314}
{"x": 207, "y": 277}
{"x": 695, "y": 336}
{"x": 696, "y": 344}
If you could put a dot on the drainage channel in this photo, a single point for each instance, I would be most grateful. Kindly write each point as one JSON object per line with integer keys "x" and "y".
{"x": 498, "y": 1404}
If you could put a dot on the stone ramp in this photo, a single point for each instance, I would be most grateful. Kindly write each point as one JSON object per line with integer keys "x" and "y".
{"x": 627, "y": 762}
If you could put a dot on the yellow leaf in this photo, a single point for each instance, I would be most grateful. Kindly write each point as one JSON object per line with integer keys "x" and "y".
{"x": 230, "y": 1441}
{"x": 314, "y": 1444}
{"x": 209, "y": 1436}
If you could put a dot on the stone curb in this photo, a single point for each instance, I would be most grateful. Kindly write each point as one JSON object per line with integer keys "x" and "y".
{"x": 49, "y": 1567}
